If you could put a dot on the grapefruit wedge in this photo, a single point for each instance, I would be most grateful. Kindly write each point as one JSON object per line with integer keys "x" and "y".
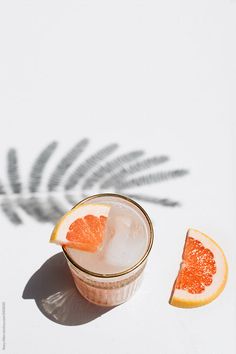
{"x": 203, "y": 272}
{"x": 82, "y": 228}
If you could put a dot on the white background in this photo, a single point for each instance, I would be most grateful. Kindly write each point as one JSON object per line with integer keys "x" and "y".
{"x": 152, "y": 75}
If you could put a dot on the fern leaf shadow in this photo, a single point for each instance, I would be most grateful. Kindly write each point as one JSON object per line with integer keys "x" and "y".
{"x": 56, "y": 296}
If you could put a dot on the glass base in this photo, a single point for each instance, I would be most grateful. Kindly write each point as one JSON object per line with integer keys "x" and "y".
{"x": 109, "y": 293}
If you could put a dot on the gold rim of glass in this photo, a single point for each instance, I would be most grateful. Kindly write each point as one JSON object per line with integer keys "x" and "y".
{"x": 136, "y": 265}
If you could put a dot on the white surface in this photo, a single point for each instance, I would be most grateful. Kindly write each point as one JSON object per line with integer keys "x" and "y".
{"x": 150, "y": 75}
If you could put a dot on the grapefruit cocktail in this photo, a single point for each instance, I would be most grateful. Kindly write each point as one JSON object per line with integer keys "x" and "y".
{"x": 106, "y": 240}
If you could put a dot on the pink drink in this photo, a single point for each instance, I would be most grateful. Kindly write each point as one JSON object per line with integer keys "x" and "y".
{"x": 111, "y": 275}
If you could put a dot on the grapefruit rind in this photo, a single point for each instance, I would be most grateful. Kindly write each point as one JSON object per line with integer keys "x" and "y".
{"x": 182, "y": 298}
{"x": 59, "y": 232}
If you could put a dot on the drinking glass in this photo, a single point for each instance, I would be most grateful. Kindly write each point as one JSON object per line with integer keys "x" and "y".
{"x": 112, "y": 289}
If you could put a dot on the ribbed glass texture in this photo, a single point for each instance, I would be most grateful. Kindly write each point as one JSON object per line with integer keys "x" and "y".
{"x": 108, "y": 291}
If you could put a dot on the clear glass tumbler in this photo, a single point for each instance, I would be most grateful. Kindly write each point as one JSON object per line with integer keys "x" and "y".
{"x": 113, "y": 288}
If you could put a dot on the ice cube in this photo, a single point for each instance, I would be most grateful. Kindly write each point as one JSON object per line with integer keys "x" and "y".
{"x": 127, "y": 245}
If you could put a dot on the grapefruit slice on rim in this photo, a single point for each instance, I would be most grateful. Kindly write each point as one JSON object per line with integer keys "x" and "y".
{"x": 203, "y": 272}
{"x": 82, "y": 228}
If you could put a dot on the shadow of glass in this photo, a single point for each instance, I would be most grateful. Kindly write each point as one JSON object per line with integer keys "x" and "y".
{"x": 56, "y": 296}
